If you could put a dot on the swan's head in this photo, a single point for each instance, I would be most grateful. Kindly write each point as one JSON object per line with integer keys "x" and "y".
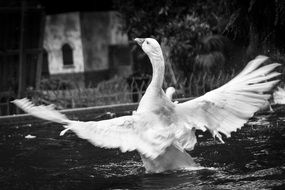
{"x": 150, "y": 46}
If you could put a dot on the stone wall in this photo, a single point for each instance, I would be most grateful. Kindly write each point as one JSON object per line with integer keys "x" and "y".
{"x": 91, "y": 36}
{"x": 63, "y": 29}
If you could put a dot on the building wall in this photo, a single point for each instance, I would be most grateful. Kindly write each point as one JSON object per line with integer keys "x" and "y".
{"x": 117, "y": 36}
{"x": 120, "y": 55}
{"x": 99, "y": 31}
{"x": 95, "y": 37}
{"x": 61, "y": 29}
{"x": 91, "y": 34}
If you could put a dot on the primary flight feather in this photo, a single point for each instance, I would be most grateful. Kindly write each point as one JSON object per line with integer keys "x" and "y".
{"x": 160, "y": 130}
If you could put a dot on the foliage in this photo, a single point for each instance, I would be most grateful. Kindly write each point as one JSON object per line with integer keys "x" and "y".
{"x": 183, "y": 36}
{"x": 119, "y": 90}
{"x": 178, "y": 24}
{"x": 113, "y": 91}
{"x": 259, "y": 25}
{"x": 56, "y": 84}
{"x": 254, "y": 25}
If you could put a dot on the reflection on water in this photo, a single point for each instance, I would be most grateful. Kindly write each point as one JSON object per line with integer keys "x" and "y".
{"x": 254, "y": 158}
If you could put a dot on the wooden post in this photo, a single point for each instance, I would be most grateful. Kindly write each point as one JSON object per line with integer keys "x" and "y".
{"x": 21, "y": 52}
{"x": 40, "y": 56}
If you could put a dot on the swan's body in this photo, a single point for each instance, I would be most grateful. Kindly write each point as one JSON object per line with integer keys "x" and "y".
{"x": 160, "y": 130}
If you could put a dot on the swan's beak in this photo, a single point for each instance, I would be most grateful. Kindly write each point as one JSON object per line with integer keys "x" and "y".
{"x": 139, "y": 41}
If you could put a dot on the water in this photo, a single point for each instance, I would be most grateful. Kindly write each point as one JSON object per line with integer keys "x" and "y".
{"x": 254, "y": 158}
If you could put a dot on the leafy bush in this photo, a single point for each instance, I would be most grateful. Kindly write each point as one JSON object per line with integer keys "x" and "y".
{"x": 56, "y": 84}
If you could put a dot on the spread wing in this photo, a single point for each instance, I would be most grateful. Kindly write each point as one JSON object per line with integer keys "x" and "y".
{"x": 42, "y": 112}
{"x": 228, "y": 108}
{"x": 128, "y": 133}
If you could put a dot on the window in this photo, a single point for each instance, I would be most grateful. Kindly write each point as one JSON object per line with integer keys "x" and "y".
{"x": 67, "y": 55}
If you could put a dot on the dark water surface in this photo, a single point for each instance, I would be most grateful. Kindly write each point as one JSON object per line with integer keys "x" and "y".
{"x": 254, "y": 158}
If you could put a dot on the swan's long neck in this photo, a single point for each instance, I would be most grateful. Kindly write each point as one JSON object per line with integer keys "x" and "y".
{"x": 152, "y": 99}
{"x": 158, "y": 68}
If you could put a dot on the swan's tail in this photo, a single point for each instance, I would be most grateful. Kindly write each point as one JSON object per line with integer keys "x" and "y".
{"x": 43, "y": 112}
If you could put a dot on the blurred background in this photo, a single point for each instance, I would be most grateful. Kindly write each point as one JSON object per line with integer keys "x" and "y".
{"x": 78, "y": 54}
{"x": 81, "y": 53}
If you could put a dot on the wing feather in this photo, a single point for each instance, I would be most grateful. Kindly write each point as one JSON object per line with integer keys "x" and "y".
{"x": 128, "y": 133}
{"x": 42, "y": 112}
{"x": 226, "y": 109}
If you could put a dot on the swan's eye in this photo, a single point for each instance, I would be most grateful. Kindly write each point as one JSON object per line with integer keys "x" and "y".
{"x": 147, "y": 42}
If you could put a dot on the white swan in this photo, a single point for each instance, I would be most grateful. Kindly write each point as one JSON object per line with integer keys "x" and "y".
{"x": 160, "y": 130}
